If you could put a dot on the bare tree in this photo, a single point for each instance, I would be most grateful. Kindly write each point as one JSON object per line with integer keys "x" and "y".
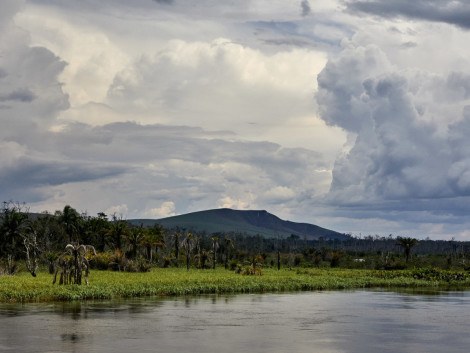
{"x": 32, "y": 249}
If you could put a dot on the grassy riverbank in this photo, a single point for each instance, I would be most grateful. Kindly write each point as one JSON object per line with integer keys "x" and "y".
{"x": 178, "y": 281}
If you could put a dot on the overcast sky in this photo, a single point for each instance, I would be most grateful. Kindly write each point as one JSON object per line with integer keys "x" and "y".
{"x": 353, "y": 115}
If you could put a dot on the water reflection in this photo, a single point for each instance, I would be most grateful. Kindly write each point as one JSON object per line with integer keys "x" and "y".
{"x": 355, "y": 321}
{"x": 73, "y": 337}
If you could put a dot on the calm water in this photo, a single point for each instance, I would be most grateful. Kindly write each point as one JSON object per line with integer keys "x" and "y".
{"x": 337, "y": 321}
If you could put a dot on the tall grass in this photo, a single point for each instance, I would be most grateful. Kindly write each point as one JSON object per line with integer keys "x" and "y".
{"x": 177, "y": 281}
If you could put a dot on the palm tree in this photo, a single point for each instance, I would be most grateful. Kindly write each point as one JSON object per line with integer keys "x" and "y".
{"x": 176, "y": 236}
{"x": 135, "y": 236}
{"x": 73, "y": 262}
{"x": 188, "y": 244}
{"x": 254, "y": 267}
{"x": 215, "y": 246}
{"x": 407, "y": 244}
{"x": 203, "y": 256}
{"x": 197, "y": 250}
{"x": 71, "y": 221}
{"x": 95, "y": 229}
{"x": 229, "y": 246}
{"x": 153, "y": 237}
{"x": 117, "y": 230}
{"x": 13, "y": 224}
{"x": 42, "y": 238}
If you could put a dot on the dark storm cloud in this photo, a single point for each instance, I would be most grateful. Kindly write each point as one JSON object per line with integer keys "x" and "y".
{"x": 306, "y": 10}
{"x": 132, "y": 142}
{"x": 31, "y": 90}
{"x": 459, "y": 83}
{"x": 190, "y": 163}
{"x": 28, "y": 178}
{"x": 292, "y": 42}
{"x": 166, "y": 2}
{"x": 409, "y": 45}
{"x": 398, "y": 162}
{"x": 284, "y": 27}
{"x": 448, "y": 11}
{"x": 286, "y": 33}
{"x": 27, "y": 172}
{"x": 20, "y": 95}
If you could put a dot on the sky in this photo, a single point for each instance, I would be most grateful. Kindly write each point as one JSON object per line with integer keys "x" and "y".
{"x": 350, "y": 114}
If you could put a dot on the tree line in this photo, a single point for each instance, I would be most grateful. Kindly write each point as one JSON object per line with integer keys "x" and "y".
{"x": 66, "y": 240}
{"x": 70, "y": 242}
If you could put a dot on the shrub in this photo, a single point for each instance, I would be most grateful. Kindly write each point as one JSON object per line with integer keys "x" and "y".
{"x": 238, "y": 268}
{"x": 102, "y": 261}
{"x": 138, "y": 265}
{"x": 166, "y": 261}
{"x": 9, "y": 267}
{"x": 234, "y": 264}
{"x": 119, "y": 261}
{"x": 250, "y": 270}
{"x": 51, "y": 258}
{"x": 434, "y": 274}
{"x": 298, "y": 259}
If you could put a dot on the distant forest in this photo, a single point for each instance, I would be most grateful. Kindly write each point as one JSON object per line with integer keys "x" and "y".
{"x": 41, "y": 239}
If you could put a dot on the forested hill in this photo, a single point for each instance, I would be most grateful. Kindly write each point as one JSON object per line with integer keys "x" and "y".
{"x": 248, "y": 222}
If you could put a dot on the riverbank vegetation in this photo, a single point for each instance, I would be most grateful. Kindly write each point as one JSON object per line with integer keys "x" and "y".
{"x": 132, "y": 260}
{"x": 178, "y": 281}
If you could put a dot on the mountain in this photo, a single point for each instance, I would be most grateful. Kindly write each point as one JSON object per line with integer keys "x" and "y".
{"x": 249, "y": 222}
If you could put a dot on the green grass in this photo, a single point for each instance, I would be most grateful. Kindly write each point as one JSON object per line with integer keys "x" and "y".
{"x": 178, "y": 281}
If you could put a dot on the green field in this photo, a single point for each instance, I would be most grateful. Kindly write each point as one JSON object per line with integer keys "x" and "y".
{"x": 177, "y": 281}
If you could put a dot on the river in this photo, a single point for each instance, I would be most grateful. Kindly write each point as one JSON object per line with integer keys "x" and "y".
{"x": 329, "y": 321}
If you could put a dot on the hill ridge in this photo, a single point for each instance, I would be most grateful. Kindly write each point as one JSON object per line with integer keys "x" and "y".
{"x": 251, "y": 222}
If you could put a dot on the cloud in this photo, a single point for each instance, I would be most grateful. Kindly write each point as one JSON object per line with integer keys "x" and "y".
{"x": 448, "y": 11}
{"x": 33, "y": 173}
{"x": 465, "y": 235}
{"x": 244, "y": 203}
{"x": 221, "y": 85}
{"x": 118, "y": 211}
{"x": 306, "y": 10}
{"x": 158, "y": 119}
{"x": 20, "y": 95}
{"x": 459, "y": 171}
{"x": 9, "y": 9}
{"x": 279, "y": 194}
{"x": 165, "y": 210}
{"x": 149, "y": 165}
{"x": 29, "y": 87}
{"x": 403, "y": 158}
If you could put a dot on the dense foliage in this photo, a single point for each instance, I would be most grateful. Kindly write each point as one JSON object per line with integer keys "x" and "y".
{"x": 122, "y": 246}
{"x": 28, "y": 241}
